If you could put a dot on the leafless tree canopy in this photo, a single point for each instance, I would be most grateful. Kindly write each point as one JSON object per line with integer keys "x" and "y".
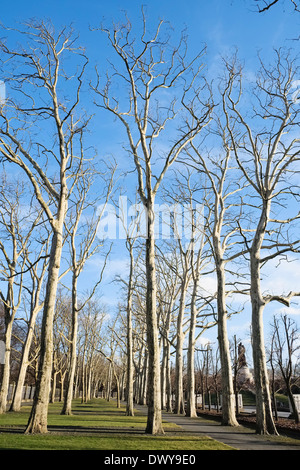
{"x": 231, "y": 147}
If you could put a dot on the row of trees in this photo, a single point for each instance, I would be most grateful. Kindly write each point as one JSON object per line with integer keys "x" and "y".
{"x": 102, "y": 364}
{"x": 234, "y": 149}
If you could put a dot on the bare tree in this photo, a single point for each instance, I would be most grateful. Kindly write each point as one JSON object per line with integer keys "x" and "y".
{"x": 40, "y": 105}
{"x": 146, "y": 68}
{"x": 37, "y": 271}
{"x": 83, "y": 250}
{"x": 16, "y": 226}
{"x": 131, "y": 230}
{"x": 223, "y": 190}
{"x": 91, "y": 340}
{"x": 267, "y": 152}
{"x": 168, "y": 292}
{"x": 285, "y": 347}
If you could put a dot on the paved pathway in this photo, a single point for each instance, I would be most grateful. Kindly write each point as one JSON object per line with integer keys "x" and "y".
{"x": 241, "y": 438}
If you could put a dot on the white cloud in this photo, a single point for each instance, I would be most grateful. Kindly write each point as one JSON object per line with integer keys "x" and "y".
{"x": 289, "y": 310}
{"x": 281, "y": 279}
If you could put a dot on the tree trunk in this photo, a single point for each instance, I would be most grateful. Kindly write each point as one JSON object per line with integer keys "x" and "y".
{"x": 163, "y": 378}
{"x": 295, "y": 412}
{"x": 179, "y": 400}
{"x": 154, "y": 420}
{"x": 6, "y": 368}
{"x": 38, "y": 418}
{"x": 17, "y": 398}
{"x": 53, "y": 390}
{"x": 264, "y": 419}
{"x": 129, "y": 387}
{"x": 168, "y": 379}
{"x": 191, "y": 405}
{"x": 67, "y": 407}
{"x": 143, "y": 382}
{"x": 228, "y": 399}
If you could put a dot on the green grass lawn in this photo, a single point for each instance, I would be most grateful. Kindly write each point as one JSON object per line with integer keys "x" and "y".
{"x": 96, "y": 425}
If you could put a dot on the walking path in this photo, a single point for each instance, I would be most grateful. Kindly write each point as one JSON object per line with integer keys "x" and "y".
{"x": 240, "y": 438}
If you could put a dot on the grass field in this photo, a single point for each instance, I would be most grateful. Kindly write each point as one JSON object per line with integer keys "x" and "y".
{"x": 96, "y": 425}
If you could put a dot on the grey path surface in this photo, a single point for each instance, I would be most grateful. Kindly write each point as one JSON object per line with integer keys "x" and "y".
{"x": 240, "y": 438}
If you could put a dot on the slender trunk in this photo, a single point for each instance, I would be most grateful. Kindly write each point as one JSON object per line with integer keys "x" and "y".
{"x": 264, "y": 419}
{"x": 62, "y": 382}
{"x": 67, "y": 407}
{"x": 295, "y": 412}
{"x": 179, "y": 400}
{"x": 89, "y": 381}
{"x": 168, "y": 380}
{"x": 143, "y": 382}
{"x": 38, "y": 418}
{"x": 129, "y": 388}
{"x": 163, "y": 380}
{"x": 191, "y": 405}
{"x": 53, "y": 391}
{"x": 166, "y": 398}
{"x": 17, "y": 398}
{"x": 109, "y": 379}
{"x": 6, "y": 368}
{"x": 118, "y": 388}
{"x": 228, "y": 398}
{"x": 154, "y": 420}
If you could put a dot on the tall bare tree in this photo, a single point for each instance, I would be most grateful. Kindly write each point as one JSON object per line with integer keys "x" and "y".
{"x": 37, "y": 270}
{"x": 44, "y": 139}
{"x": 267, "y": 151}
{"x": 223, "y": 189}
{"x": 285, "y": 347}
{"x": 17, "y": 223}
{"x": 150, "y": 69}
{"x": 83, "y": 250}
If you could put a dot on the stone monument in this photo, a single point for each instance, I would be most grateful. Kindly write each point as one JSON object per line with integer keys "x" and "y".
{"x": 244, "y": 376}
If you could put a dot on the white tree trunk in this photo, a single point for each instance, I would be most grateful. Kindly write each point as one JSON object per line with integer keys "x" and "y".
{"x": 38, "y": 418}
{"x": 6, "y": 368}
{"x": 179, "y": 400}
{"x": 67, "y": 407}
{"x": 17, "y": 398}
{"x": 228, "y": 401}
{"x": 129, "y": 387}
{"x": 191, "y": 404}
{"x": 154, "y": 421}
{"x": 264, "y": 419}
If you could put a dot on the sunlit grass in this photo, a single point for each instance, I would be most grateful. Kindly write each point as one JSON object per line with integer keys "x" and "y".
{"x": 96, "y": 425}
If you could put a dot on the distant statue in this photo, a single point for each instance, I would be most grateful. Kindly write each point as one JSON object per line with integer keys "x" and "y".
{"x": 241, "y": 355}
{"x": 244, "y": 376}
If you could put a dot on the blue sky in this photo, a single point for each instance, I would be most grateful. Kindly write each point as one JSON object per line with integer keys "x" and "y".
{"x": 222, "y": 25}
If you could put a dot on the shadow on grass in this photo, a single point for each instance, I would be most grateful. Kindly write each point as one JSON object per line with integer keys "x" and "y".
{"x": 101, "y": 431}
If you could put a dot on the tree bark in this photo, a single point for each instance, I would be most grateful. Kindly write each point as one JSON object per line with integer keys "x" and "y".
{"x": 38, "y": 417}
{"x": 129, "y": 387}
{"x": 67, "y": 406}
{"x": 6, "y": 368}
{"x": 154, "y": 420}
{"x": 228, "y": 398}
{"x": 179, "y": 400}
{"x": 264, "y": 419}
{"x": 191, "y": 404}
